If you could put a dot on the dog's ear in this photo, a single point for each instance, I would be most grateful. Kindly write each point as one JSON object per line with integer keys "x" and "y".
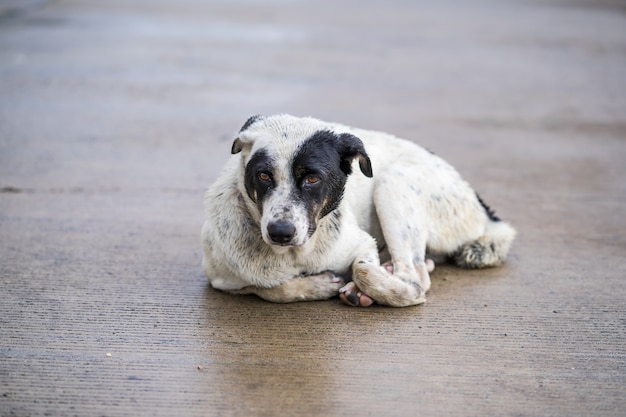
{"x": 240, "y": 142}
{"x": 352, "y": 147}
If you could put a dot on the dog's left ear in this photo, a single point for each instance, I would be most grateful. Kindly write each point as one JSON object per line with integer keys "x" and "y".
{"x": 352, "y": 147}
{"x": 240, "y": 141}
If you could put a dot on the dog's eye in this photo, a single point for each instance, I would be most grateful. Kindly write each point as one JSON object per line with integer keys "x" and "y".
{"x": 264, "y": 176}
{"x": 312, "y": 179}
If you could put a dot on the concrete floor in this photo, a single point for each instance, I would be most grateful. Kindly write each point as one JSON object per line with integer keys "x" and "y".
{"x": 115, "y": 116}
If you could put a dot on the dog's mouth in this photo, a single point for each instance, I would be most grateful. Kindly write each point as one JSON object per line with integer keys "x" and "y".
{"x": 284, "y": 246}
{"x": 294, "y": 243}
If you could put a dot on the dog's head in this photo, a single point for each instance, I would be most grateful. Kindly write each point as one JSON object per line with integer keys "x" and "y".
{"x": 294, "y": 173}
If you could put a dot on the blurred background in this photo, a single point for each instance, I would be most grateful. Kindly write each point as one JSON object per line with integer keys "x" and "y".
{"x": 116, "y": 115}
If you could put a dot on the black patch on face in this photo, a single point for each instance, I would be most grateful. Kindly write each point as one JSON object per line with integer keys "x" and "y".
{"x": 319, "y": 158}
{"x": 326, "y": 158}
{"x": 256, "y": 186}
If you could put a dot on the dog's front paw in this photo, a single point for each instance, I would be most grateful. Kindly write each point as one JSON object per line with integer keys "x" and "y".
{"x": 308, "y": 288}
{"x": 380, "y": 284}
{"x": 351, "y": 295}
{"x": 319, "y": 287}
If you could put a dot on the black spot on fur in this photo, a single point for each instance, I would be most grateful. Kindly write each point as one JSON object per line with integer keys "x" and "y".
{"x": 490, "y": 212}
{"x": 225, "y": 225}
{"x": 249, "y": 122}
{"x": 335, "y": 221}
{"x": 416, "y": 190}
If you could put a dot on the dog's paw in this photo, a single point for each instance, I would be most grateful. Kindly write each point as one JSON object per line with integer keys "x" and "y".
{"x": 319, "y": 287}
{"x": 387, "y": 289}
{"x": 352, "y": 296}
{"x": 308, "y": 288}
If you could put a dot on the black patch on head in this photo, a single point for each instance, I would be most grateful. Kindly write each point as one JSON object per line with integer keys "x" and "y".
{"x": 327, "y": 157}
{"x": 319, "y": 156}
{"x": 256, "y": 188}
{"x": 249, "y": 122}
{"x": 490, "y": 212}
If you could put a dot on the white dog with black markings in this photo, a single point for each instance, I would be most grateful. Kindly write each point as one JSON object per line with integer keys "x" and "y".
{"x": 289, "y": 220}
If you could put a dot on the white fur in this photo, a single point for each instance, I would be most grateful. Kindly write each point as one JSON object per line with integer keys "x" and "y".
{"x": 415, "y": 202}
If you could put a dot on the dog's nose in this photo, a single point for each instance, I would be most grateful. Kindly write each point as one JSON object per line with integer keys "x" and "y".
{"x": 281, "y": 232}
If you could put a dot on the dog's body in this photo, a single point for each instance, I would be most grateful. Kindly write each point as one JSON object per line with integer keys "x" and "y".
{"x": 288, "y": 220}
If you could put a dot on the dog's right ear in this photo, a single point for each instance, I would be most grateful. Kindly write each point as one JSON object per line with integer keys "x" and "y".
{"x": 240, "y": 141}
{"x": 238, "y": 144}
{"x": 351, "y": 148}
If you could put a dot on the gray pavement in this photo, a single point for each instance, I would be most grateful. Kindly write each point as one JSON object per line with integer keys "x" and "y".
{"x": 115, "y": 116}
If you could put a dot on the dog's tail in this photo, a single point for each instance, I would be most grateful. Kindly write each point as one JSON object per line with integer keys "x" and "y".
{"x": 491, "y": 248}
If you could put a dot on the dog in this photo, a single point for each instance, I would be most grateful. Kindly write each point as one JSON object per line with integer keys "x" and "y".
{"x": 308, "y": 210}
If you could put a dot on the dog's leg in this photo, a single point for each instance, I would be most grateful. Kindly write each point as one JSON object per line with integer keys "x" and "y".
{"x": 309, "y": 288}
{"x": 398, "y": 289}
{"x": 353, "y": 296}
{"x": 400, "y": 214}
{"x": 379, "y": 283}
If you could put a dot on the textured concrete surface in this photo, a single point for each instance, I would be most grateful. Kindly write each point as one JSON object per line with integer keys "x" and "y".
{"x": 115, "y": 116}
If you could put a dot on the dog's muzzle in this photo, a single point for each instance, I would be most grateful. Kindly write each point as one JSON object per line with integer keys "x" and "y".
{"x": 281, "y": 232}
